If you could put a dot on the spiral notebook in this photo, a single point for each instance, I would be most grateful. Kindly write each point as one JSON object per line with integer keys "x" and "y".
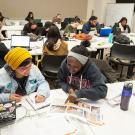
{"x": 36, "y": 106}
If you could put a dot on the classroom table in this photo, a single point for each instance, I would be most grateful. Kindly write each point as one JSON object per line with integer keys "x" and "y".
{"x": 116, "y": 121}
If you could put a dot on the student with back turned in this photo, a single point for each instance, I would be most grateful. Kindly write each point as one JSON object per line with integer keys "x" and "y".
{"x": 54, "y": 44}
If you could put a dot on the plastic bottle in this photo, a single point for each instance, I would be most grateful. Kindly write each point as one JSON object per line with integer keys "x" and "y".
{"x": 110, "y": 38}
{"x": 125, "y": 97}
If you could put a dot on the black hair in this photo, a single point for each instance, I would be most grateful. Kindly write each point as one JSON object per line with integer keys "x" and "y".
{"x": 54, "y": 32}
{"x": 48, "y": 24}
{"x": 25, "y": 62}
{"x": 30, "y": 13}
{"x": 28, "y": 18}
{"x": 92, "y": 18}
{"x": 52, "y": 37}
{"x": 85, "y": 43}
{"x": 75, "y": 20}
{"x": 122, "y": 19}
{"x": 1, "y": 17}
{"x": 80, "y": 50}
{"x": 1, "y": 14}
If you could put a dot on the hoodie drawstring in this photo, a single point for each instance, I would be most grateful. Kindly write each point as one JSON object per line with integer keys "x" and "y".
{"x": 80, "y": 81}
{"x": 70, "y": 79}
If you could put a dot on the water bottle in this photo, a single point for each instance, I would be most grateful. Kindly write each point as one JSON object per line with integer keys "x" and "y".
{"x": 110, "y": 38}
{"x": 125, "y": 96}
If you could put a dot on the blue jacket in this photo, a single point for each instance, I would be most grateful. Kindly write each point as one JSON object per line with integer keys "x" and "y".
{"x": 87, "y": 27}
{"x": 89, "y": 82}
{"x": 35, "y": 82}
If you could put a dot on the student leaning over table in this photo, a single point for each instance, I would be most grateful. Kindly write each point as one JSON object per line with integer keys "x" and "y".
{"x": 20, "y": 77}
{"x": 91, "y": 25}
{"x": 80, "y": 77}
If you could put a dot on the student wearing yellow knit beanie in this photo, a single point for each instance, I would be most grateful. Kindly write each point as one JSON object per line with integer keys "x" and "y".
{"x": 20, "y": 77}
{"x": 16, "y": 56}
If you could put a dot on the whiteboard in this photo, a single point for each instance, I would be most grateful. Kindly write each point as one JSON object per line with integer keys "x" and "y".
{"x": 114, "y": 12}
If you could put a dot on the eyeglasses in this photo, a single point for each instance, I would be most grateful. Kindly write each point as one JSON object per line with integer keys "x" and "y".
{"x": 25, "y": 68}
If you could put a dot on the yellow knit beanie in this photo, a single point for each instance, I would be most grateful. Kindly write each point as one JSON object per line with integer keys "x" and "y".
{"x": 16, "y": 56}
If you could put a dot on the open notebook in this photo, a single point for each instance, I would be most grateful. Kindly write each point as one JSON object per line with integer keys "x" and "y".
{"x": 31, "y": 100}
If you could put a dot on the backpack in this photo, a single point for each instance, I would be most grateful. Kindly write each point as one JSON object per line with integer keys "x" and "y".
{"x": 122, "y": 39}
{"x": 85, "y": 43}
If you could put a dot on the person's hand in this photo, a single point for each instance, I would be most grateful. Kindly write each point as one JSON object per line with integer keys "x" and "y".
{"x": 15, "y": 97}
{"x": 33, "y": 26}
{"x": 72, "y": 98}
{"x": 39, "y": 98}
{"x": 72, "y": 35}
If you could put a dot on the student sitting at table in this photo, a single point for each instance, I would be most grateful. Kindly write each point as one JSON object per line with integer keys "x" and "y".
{"x": 54, "y": 44}
{"x": 72, "y": 28}
{"x": 91, "y": 25}
{"x": 20, "y": 77}
{"x": 80, "y": 77}
{"x": 122, "y": 24}
{"x": 31, "y": 28}
{"x": 57, "y": 18}
{"x": 30, "y": 16}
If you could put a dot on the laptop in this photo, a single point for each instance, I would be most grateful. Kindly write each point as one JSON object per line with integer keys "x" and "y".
{"x": 7, "y": 111}
{"x": 104, "y": 32}
{"x": 20, "y": 41}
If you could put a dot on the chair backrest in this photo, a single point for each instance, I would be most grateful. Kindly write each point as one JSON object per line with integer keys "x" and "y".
{"x": 106, "y": 70}
{"x": 123, "y": 51}
{"x": 51, "y": 63}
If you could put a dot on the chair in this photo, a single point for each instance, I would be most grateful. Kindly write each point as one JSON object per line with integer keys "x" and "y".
{"x": 50, "y": 65}
{"x": 124, "y": 55}
{"x": 106, "y": 70}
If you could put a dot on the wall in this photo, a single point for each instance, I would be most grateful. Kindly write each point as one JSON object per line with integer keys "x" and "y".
{"x": 46, "y": 9}
{"x": 100, "y": 11}
{"x": 134, "y": 23}
{"x": 90, "y": 8}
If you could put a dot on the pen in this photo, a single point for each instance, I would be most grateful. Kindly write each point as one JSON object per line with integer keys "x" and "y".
{"x": 44, "y": 106}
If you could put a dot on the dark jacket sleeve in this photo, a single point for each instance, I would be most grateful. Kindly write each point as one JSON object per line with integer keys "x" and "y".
{"x": 128, "y": 28}
{"x": 98, "y": 88}
{"x": 114, "y": 28}
{"x": 98, "y": 27}
{"x": 85, "y": 28}
{"x": 62, "y": 76}
{"x": 25, "y": 29}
